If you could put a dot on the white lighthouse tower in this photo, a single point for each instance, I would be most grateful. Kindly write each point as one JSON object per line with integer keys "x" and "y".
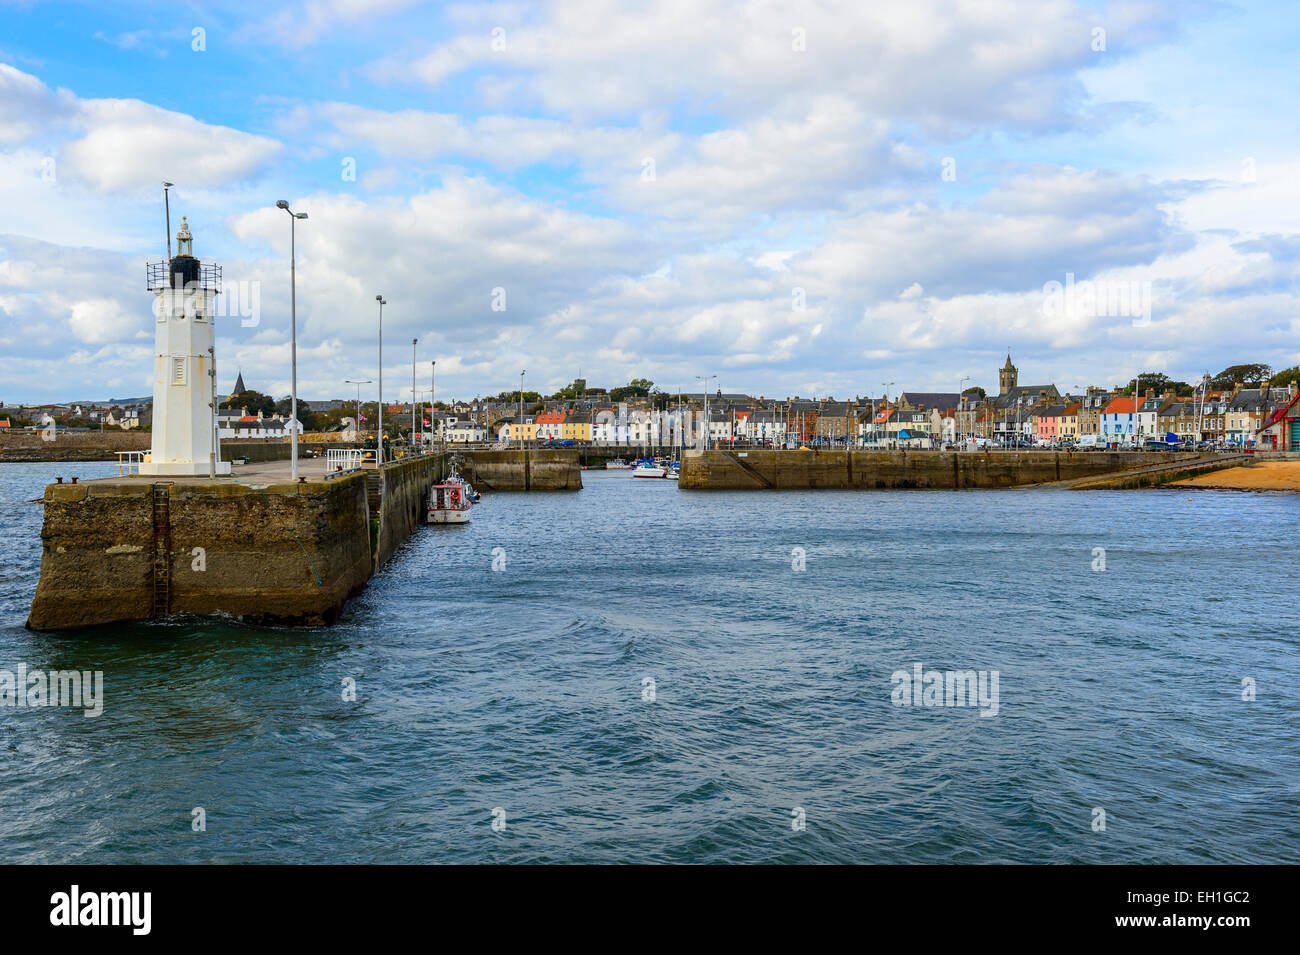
{"x": 184, "y": 403}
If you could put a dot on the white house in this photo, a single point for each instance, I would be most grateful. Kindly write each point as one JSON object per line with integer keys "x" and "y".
{"x": 464, "y": 432}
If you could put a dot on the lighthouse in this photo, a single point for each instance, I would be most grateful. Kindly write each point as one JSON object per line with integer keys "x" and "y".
{"x": 184, "y": 383}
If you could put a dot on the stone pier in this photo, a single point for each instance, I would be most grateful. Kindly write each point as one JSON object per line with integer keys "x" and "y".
{"x": 781, "y": 470}
{"x": 255, "y": 546}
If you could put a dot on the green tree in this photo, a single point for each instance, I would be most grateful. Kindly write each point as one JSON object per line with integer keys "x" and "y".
{"x": 251, "y": 401}
{"x": 1286, "y": 376}
{"x": 636, "y": 388}
{"x": 1246, "y": 374}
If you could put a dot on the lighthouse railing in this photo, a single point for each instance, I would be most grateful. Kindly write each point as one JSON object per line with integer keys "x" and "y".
{"x": 128, "y": 462}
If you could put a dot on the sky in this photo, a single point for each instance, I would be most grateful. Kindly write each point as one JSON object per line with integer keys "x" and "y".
{"x": 822, "y": 199}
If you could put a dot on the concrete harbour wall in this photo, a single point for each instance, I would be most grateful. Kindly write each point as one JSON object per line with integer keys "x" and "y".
{"x": 779, "y": 470}
{"x": 533, "y": 469}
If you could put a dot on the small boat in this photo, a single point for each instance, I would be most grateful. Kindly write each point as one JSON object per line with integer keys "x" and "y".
{"x": 648, "y": 469}
{"x": 616, "y": 464}
{"x": 448, "y": 504}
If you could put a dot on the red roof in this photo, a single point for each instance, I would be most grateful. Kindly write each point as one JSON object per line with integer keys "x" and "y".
{"x": 1279, "y": 414}
{"x": 1121, "y": 406}
{"x": 551, "y": 417}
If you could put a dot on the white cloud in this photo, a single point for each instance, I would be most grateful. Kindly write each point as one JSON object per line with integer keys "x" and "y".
{"x": 942, "y": 64}
{"x": 129, "y": 144}
{"x": 27, "y": 105}
{"x": 100, "y": 320}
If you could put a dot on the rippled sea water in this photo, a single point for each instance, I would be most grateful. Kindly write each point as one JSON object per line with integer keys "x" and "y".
{"x": 522, "y": 689}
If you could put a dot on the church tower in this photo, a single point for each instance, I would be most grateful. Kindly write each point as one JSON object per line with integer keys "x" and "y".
{"x": 1007, "y": 377}
{"x": 184, "y": 382}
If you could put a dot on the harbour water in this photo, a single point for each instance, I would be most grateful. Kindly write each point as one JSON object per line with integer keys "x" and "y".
{"x": 770, "y": 625}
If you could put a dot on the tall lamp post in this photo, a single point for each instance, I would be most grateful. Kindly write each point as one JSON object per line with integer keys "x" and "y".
{"x": 414, "y": 342}
{"x": 379, "y": 433}
{"x": 521, "y": 411}
{"x": 358, "y": 382}
{"x": 433, "y": 369}
{"x": 887, "y": 386}
{"x": 704, "y": 385}
{"x": 965, "y": 378}
{"x": 293, "y": 336}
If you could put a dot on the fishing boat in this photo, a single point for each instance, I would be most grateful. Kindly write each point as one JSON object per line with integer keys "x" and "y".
{"x": 616, "y": 464}
{"x": 447, "y": 504}
{"x": 450, "y": 501}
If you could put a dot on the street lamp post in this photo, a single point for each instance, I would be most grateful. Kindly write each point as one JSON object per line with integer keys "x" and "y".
{"x": 293, "y": 336}
{"x": 358, "y": 382}
{"x": 433, "y": 368}
{"x": 704, "y": 380}
{"x": 887, "y": 386}
{"x": 965, "y": 378}
{"x": 414, "y": 342}
{"x": 521, "y": 411}
{"x": 379, "y": 433}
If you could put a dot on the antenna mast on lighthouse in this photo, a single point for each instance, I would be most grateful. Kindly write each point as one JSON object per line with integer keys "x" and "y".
{"x": 167, "y": 205}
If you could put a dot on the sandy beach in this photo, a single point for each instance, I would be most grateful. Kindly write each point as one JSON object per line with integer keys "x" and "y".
{"x": 1265, "y": 476}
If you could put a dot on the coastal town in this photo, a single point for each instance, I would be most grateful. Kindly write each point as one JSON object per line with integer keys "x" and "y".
{"x": 1242, "y": 407}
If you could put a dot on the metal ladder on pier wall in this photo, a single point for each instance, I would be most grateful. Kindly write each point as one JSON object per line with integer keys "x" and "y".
{"x": 162, "y": 550}
{"x": 374, "y": 491}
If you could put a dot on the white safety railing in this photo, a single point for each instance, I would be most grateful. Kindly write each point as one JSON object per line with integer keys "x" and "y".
{"x": 342, "y": 459}
{"x": 128, "y": 462}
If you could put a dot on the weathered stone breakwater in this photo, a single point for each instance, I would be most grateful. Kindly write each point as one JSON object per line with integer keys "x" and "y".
{"x": 265, "y": 551}
{"x": 803, "y": 470}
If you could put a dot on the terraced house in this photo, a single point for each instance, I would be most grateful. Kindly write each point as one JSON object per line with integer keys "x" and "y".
{"x": 836, "y": 421}
{"x": 1119, "y": 421}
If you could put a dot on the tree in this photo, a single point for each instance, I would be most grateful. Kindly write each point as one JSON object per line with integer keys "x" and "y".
{"x": 976, "y": 391}
{"x": 636, "y": 388}
{"x": 251, "y": 401}
{"x": 1154, "y": 380}
{"x": 1286, "y": 377}
{"x": 1158, "y": 383}
{"x": 1246, "y": 374}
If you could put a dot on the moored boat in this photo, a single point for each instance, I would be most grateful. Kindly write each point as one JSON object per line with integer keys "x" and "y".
{"x": 648, "y": 469}
{"x": 448, "y": 504}
{"x": 616, "y": 464}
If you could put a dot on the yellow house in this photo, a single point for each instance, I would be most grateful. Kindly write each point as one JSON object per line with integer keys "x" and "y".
{"x": 1067, "y": 423}
{"x": 511, "y": 430}
{"x": 577, "y": 428}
